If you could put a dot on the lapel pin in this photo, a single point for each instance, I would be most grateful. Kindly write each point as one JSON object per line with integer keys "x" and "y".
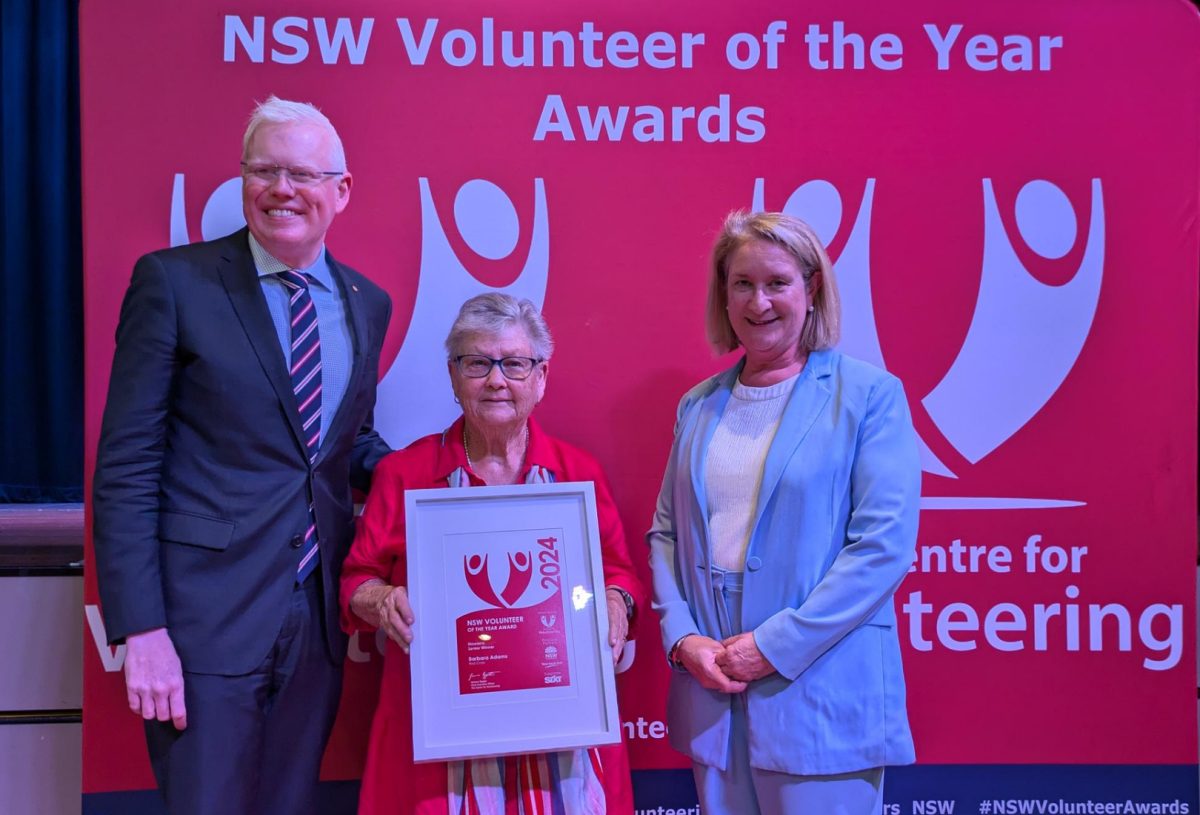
{"x": 354, "y": 287}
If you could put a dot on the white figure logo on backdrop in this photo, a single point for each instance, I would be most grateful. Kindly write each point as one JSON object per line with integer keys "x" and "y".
{"x": 1024, "y": 337}
{"x": 414, "y": 398}
{"x": 222, "y": 212}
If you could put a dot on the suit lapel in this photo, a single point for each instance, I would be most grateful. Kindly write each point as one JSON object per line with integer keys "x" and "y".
{"x": 245, "y": 292}
{"x": 808, "y": 399}
{"x": 357, "y": 320}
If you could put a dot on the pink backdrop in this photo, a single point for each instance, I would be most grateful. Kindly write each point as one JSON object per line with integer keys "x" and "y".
{"x": 1019, "y": 246}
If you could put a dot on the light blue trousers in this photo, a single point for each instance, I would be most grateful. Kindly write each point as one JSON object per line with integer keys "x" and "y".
{"x": 744, "y": 790}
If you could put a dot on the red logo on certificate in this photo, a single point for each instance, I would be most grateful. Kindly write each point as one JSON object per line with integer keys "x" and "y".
{"x": 517, "y": 639}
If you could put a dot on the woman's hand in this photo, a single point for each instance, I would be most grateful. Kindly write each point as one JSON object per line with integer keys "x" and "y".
{"x": 741, "y": 660}
{"x": 700, "y": 656}
{"x": 618, "y": 623}
{"x": 385, "y": 607}
{"x": 395, "y": 616}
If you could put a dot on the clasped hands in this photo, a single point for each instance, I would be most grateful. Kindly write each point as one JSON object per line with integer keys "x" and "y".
{"x": 388, "y": 608}
{"x": 727, "y": 666}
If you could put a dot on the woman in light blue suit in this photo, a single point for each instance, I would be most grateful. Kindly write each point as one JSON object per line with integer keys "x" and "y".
{"x": 786, "y": 521}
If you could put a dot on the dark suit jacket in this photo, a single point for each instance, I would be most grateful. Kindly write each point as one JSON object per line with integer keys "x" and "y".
{"x": 202, "y": 483}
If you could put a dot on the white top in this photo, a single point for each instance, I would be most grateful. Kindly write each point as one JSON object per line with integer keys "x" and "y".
{"x": 734, "y": 466}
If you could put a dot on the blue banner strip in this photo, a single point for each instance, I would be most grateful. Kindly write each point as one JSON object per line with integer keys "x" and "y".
{"x": 939, "y": 789}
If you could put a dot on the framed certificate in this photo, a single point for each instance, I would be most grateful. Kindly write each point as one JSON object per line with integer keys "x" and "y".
{"x": 510, "y": 651}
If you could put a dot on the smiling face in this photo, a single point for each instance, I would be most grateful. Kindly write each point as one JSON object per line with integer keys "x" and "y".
{"x": 290, "y": 221}
{"x": 768, "y": 301}
{"x": 494, "y": 403}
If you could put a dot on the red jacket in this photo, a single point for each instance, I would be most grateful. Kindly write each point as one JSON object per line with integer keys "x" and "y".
{"x": 392, "y": 783}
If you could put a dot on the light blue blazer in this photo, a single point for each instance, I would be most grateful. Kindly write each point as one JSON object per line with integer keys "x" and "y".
{"x": 834, "y": 533}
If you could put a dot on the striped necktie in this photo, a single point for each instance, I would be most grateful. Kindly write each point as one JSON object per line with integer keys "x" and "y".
{"x": 306, "y": 384}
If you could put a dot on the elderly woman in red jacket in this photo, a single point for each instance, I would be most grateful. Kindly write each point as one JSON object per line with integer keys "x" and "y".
{"x": 499, "y": 350}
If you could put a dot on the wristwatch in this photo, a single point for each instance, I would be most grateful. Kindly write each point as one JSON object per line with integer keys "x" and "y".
{"x": 627, "y": 597}
{"x": 673, "y": 654}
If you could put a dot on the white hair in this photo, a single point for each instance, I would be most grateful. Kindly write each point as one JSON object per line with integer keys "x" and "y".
{"x": 284, "y": 111}
{"x": 494, "y": 312}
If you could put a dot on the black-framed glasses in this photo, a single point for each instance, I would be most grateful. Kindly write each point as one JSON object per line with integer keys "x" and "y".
{"x": 477, "y": 366}
{"x": 298, "y": 176}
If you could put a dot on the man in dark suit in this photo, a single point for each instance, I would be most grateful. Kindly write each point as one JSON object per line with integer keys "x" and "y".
{"x": 238, "y": 418}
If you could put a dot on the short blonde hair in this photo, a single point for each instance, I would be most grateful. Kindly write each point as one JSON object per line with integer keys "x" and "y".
{"x": 284, "y": 111}
{"x": 823, "y": 326}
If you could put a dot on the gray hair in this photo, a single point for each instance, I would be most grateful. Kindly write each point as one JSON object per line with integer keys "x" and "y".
{"x": 284, "y": 111}
{"x": 492, "y": 313}
{"x": 823, "y": 326}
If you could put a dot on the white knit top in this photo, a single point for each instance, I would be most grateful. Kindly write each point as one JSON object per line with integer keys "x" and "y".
{"x": 733, "y": 469}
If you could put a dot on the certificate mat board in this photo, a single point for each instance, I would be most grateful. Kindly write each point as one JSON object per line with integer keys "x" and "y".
{"x": 510, "y": 652}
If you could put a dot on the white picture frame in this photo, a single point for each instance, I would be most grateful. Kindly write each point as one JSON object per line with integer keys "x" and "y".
{"x": 510, "y": 652}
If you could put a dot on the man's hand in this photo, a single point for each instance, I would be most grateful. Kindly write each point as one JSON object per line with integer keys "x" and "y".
{"x": 700, "y": 656}
{"x": 742, "y": 661}
{"x": 618, "y": 623}
{"x": 154, "y": 677}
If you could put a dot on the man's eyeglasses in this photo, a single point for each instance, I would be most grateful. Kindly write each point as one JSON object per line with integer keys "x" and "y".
{"x": 298, "y": 176}
{"x": 476, "y": 366}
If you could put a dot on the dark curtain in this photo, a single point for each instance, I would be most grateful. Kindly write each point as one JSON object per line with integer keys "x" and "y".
{"x": 41, "y": 301}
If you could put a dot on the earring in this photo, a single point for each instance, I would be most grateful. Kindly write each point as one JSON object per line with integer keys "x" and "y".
{"x": 810, "y": 308}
